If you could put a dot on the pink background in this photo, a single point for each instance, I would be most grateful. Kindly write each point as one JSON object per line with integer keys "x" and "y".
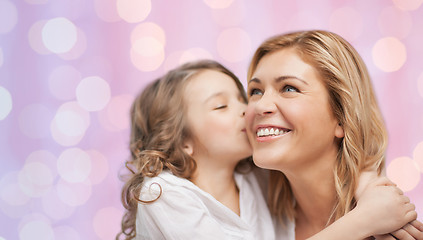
{"x": 69, "y": 70}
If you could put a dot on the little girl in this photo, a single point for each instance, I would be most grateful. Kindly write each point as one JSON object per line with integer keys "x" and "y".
{"x": 192, "y": 176}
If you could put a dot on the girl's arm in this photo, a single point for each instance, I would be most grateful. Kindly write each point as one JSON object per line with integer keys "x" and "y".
{"x": 382, "y": 208}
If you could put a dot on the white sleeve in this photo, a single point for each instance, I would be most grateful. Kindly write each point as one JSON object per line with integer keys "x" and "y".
{"x": 177, "y": 214}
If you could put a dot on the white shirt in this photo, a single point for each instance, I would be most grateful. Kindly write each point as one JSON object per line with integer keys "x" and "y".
{"x": 184, "y": 211}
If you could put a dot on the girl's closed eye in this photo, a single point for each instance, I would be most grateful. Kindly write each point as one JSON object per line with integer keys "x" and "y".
{"x": 220, "y": 106}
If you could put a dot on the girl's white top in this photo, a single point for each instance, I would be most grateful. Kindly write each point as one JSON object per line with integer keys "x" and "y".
{"x": 184, "y": 211}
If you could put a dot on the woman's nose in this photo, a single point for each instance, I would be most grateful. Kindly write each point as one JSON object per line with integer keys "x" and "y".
{"x": 266, "y": 104}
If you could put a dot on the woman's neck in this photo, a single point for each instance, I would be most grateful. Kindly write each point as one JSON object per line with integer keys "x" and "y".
{"x": 218, "y": 182}
{"x": 314, "y": 191}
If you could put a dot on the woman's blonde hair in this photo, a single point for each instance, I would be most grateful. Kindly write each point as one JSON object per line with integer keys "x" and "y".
{"x": 158, "y": 132}
{"x": 354, "y": 104}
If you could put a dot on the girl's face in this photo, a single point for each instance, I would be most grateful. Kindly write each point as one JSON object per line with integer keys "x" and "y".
{"x": 215, "y": 116}
{"x": 290, "y": 123}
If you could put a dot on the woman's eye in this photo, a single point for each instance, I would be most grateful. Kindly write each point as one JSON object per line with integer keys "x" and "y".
{"x": 289, "y": 88}
{"x": 220, "y": 107}
{"x": 255, "y": 91}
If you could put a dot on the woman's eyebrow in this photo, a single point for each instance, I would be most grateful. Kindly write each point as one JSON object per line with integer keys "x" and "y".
{"x": 279, "y": 79}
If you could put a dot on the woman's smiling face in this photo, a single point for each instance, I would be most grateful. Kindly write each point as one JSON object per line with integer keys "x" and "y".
{"x": 290, "y": 122}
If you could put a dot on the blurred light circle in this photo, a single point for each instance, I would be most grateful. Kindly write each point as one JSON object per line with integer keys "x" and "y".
{"x": 54, "y": 207}
{"x": 5, "y": 103}
{"x": 146, "y": 63}
{"x": 106, "y": 222}
{"x": 147, "y": 46}
{"x": 63, "y": 81}
{"x": 34, "y": 121}
{"x": 389, "y": 54}
{"x": 74, "y": 165}
{"x": 218, "y": 3}
{"x": 118, "y": 111}
{"x": 45, "y": 157}
{"x": 407, "y": 5}
{"x": 347, "y": 22}
{"x": 404, "y": 172}
{"x": 418, "y": 155}
{"x": 37, "y": 1}
{"x": 8, "y": 16}
{"x": 35, "y": 38}
{"x": 70, "y": 123}
{"x": 59, "y": 35}
{"x": 93, "y": 93}
{"x": 100, "y": 166}
{"x": 394, "y": 22}
{"x": 66, "y": 233}
{"x": 194, "y": 54}
{"x": 73, "y": 194}
{"x": 231, "y": 16}
{"x": 133, "y": 11}
{"x": 36, "y": 230}
{"x": 35, "y": 179}
{"x": 10, "y": 192}
{"x": 106, "y": 10}
{"x": 57, "y": 132}
{"x": 78, "y": 49}
{"x": 234, "y": 45}
{"x": 148, "y": 29}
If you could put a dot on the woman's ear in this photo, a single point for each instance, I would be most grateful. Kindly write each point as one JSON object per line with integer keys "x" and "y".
{"x": 339, "y": 131}
{"x": 189, "y": 147}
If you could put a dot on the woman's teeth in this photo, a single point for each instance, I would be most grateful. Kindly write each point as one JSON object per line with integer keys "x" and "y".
{"x": 264, "y": 132}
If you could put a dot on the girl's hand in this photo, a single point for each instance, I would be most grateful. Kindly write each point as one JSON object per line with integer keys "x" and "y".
{"x": 385, "y": 208}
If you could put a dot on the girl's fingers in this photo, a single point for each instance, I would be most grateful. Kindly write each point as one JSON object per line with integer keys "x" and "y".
{"x": 402, "y": 234}
{"x": 417, "y": 224}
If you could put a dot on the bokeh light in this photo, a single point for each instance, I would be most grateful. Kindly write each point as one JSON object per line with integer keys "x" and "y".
{"x": 404, "y": 172}
{"x": 346, "y": 22}
{"x": 10, "y": 192}
{"x": 408, "y": 5}
{"x": 74, "y": 194}
{"x": 148, "y": 29}
{"x": 35, "y": 37}
{"x": 389, "y": 54}
{"x": 34, "y": 121}
{"x": 8, "y": 16}
{"x": 93, "y": 93}
{"x": 78, "y": 49}
{"x": 69, "y": 131}
{"x": 99, "y": 166}
{"x": 59, "y": 35}
{"x": 115, "y": 117}
{"x": 106, "y": 222}
{"x": 36, "y": 229}
{"x": 133, "y": 11}
{"x": 35, "y": 179}
{"x": 54, "y": 207}
{"x": 394, "y": 22}
{"x": 218, "y": 3}
{"x": 230, "y": 16}
{"x": 63, "y": 81}
{"x": 234, "y": 45}
{"x": 74, "y": 165}
{"x": 106, "y": 10}
{"x": 5, "y": 103}
{"x": 66, "y": 233}
{"x": 418, "y": 155}
{"x": 147, "y": 54}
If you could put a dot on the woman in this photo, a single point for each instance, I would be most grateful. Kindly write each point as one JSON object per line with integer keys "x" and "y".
{"x": 313, "y": 118}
